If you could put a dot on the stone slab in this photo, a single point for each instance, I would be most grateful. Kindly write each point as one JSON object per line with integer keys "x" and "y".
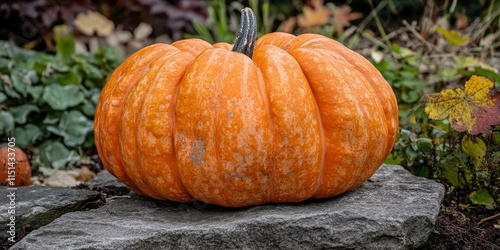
{"x": 393, "y": 210}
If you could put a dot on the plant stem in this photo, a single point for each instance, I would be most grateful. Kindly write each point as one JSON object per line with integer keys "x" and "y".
{"x": 245, "y": 41}
{"x": 487, "y": 219}
{"x": 379, "y": 24}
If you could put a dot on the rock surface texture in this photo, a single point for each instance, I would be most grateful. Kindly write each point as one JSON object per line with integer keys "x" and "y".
{"x": 393, "y": 210}
{"x": 37, "y": 206}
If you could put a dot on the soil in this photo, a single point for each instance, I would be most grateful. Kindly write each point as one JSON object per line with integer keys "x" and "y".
{"x": 462, "y": 227}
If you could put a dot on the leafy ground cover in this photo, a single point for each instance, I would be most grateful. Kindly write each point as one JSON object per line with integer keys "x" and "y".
{"x": 441, "y": 58}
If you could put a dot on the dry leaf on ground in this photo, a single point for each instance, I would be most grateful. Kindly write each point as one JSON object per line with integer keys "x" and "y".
{"x": 93, "y": 22}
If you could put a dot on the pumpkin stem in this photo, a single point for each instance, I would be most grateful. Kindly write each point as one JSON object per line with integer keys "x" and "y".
{"x": 245, "y": 41}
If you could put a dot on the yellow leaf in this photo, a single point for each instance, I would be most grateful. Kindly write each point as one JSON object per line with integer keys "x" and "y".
{"x": 436, "y": 141}
{"x": 460, "y": 106}
{"x": 453, "y": 37}
{"x": 413, "y": 119}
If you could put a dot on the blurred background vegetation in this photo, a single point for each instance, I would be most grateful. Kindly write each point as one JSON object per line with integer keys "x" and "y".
{"x": 56, "y": 55}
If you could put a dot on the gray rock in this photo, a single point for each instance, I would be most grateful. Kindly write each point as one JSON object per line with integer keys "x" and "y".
{"x": 393, "y": 210}
{"x": 37, "y": 206}
{"x": 105, "y": 180}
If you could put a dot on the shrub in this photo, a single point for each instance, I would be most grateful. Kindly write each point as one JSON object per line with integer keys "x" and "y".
{"x": 47, "y": 102}
{"x": 456, "y": 139}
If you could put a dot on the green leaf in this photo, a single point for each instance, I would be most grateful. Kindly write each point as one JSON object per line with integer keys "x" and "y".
{"x": 94, "y": 95}
{"x": 52, "y": 118}
{"x": 396, "y": 48}
{"x": 11, "y": 51}
{"x": 437, "y": 133}
{"x": 88, "y": 108}
{"x": 453, "y": 171}
{"x": 393, "y": 160}
{"x": 412, "y": 69}
{"x": 6, "y": 122}
{"x": 482, "y": 197}
{"x": 407, "y": 76}
{"x": 91, "y": 102}
{"x": 21, "y": 80}
{"x": 109, "y": 58}
{"x": 3, "y": 97}
{"x": 390, "y": 76}
{"x": 422, "y": 171}
{"x": 475, "y": 148}
{"x": 410, "y": 96}
{"x": 5, "y": 65}
{"x": 27, "y": 135}
{"x": 92, "y": 71}
{"x": 424, "y": 144}
{"x": 62, "y": 97}
{"x": 55, "y": 155}
{"x": 65, "y": 47}
{"x": 21, "y": 113}
{"x": 57, "y": 67}
{"x": 73, "y": 127}
{"x": 71, "y": 77}
{"x": 450, "y": 173}
{"x": 19, "y": 83}
{"x": 8, "y": 89}
{"x": 496, "y": 137}
{"x": 411, "y": 155}
{"x": 39, "y": 67}
{"x": 35, "y": 92}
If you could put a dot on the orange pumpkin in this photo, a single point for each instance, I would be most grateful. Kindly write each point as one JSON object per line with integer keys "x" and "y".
{"x": 15, "y": 167}
{"x": 297, "y": 117}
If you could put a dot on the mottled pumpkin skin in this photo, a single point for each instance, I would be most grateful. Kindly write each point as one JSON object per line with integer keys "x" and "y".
{"x": 304, "y": 118}
{"x": 22, "y": 168}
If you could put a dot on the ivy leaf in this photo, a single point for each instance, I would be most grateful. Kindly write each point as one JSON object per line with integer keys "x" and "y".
{"x": 474, "y": 109}
{"x": 27, "y": 135}
{"x": 91, "y": 101}
{"x": 6, "y": 122}
{"x": 52, "y": 118}
{"x": 35, "y": 91}
{"x": 72, "y": 77}
{"x": 453, "y": 37}
{"x": 73, "y": 127}
{"x": 3, "y": 97}
{"x": 22, "y": 80}
{"x": 55, "y": 155}
{"x": 21, "y": 113}
{"x": 7, "y": 87}
{"x": 62, "y": 97}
